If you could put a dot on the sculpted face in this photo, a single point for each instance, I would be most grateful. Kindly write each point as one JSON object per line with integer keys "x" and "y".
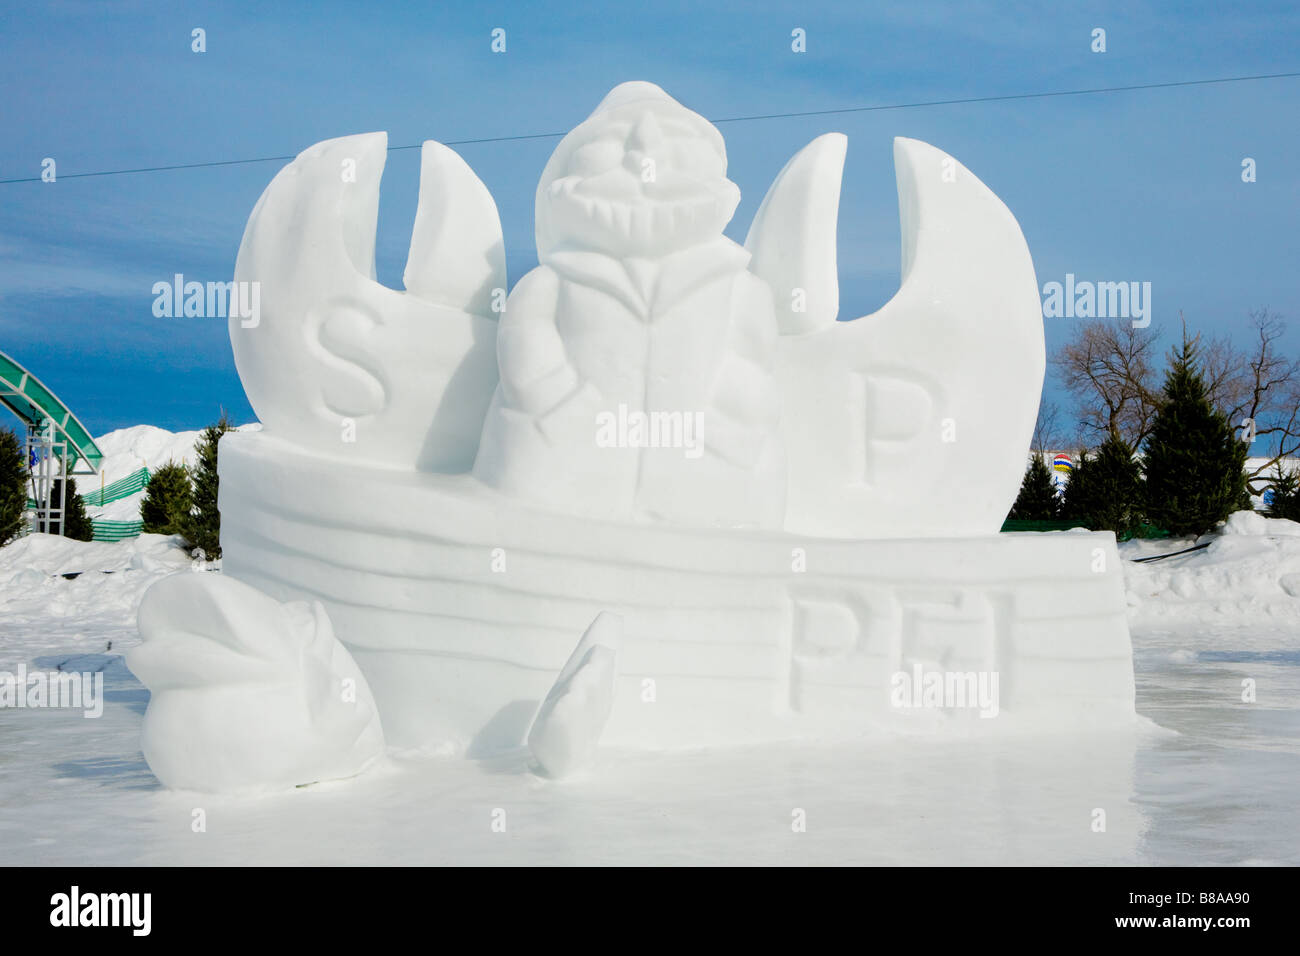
{"x": 641, "y": 179}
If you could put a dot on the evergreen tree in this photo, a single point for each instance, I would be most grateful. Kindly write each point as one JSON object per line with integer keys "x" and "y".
{"x": 13, "y": 485}
{"x": 1074, "y": 498}
{"x": 202, "y": 526}
{"x": 1286, "y": 495}
{"x": 1105, "y": 490}
{"x": 168, "y": 500}
{"x": 76, "y": 524}
{"x": 1194, "y": 461}
{"x": 79, "y": 527}
{"x": 1244, "y": 503}
{"x": 1037, "y": 498}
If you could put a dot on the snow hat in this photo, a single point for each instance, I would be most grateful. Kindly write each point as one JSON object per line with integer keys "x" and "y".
{"x": 633, "y": 94}
{"x": 643, "y": 93}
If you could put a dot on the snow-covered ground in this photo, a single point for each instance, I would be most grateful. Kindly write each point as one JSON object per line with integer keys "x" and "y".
{"x": 1209, "y": 779}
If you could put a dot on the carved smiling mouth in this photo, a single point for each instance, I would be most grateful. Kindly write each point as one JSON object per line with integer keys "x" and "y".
{"x": 671, "y": 213}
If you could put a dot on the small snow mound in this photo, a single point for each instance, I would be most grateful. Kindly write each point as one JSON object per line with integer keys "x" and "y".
{"x": 153, "y": 562}
{"x": 1254, "y": 523}
{"x": 1250, "y": 572}
{"x": 1245, "y": 522}
{"x": 27, "y": 578}
{"x": 50, "y": 554}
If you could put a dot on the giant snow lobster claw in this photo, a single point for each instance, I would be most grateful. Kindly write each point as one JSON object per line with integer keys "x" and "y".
{"x": 346, "y": 366}
{"x": 913, "y": 420}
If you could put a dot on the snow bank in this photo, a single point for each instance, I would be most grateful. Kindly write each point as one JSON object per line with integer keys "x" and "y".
{"x": 42, "y": 612}
{"x": 127, "y": 450}
{"x": 1250, "y": 573}
{"x": 46, "y": 555}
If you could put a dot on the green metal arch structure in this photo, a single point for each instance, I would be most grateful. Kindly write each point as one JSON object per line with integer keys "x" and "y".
{"x": 24, "y": 395}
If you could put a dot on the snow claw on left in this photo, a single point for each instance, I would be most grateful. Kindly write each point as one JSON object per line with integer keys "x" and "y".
{"x": 248, "y": 694}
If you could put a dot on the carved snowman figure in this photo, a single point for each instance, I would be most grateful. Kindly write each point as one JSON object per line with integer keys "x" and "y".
{"x": 637, "y": 359}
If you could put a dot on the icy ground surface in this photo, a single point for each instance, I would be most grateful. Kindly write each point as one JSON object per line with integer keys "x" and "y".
{"x": 1216, "y": 783}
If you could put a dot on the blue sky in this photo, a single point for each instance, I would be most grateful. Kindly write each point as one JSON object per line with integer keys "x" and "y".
{"x": 1141, "y": 185}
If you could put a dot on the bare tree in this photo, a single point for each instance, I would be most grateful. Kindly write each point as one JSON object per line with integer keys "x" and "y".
{"x": 1223, "y": 369}
{"x": 1261, "y": 396}
{"x": 1109, "y": 369}
{"x": 1046, "y": 431}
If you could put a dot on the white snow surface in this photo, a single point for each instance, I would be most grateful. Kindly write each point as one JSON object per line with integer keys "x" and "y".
{"x": 1209, "y": 780}
{"x": 1248, "y": 576}
{"x": 127, "y": 450}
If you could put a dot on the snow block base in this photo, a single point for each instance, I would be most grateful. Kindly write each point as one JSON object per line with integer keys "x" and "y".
{"x": 461, "y": 607}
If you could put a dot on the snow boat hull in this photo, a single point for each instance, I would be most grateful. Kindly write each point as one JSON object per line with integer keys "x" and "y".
{"x": 461, "y": 606}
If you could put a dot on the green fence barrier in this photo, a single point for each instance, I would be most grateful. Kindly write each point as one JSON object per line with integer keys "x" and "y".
{"x": 107, "y": 529}
{"x": 115, "y": 530}
{"x": 122, "y": 488}
{"x": 1145, "y": 531}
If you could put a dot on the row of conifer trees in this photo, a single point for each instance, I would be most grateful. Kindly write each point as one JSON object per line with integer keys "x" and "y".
{"x": 1189, "y": 476}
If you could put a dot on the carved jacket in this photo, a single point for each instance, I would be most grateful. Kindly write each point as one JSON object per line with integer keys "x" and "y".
{"x": 588, "y": 341}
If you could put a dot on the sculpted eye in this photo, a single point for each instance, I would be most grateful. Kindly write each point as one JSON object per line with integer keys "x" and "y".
{"x": 595, "y": 157}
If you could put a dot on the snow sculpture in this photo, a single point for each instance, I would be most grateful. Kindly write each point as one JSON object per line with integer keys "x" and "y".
{"x": 247, "y": 693}
{"x": 664, "y": 425}
{"x": 569, "y": 724}
{"x": 642, "y": 309}
{"x": 944, "y": 380}
{"x": 331, "y": 347}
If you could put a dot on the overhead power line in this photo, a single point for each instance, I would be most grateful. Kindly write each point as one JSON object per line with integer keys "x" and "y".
{"x": 1091, "y": 91}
